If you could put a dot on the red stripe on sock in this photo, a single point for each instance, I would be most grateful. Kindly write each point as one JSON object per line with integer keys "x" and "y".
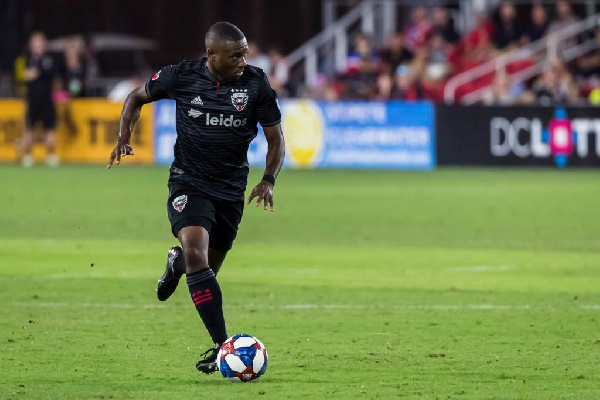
{"x": 205, "y": 299}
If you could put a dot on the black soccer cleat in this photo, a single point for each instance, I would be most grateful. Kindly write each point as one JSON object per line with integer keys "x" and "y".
{"x": 208, "y": 365}
{"x": 170, "y": 279}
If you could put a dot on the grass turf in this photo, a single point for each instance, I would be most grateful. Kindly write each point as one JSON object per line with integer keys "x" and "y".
{"x": 363, "y": 284}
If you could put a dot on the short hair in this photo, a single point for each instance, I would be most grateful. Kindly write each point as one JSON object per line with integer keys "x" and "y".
{"x": 225, "y": 31}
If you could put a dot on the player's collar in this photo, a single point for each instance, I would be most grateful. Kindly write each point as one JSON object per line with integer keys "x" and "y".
{"x": 209, "y": 75}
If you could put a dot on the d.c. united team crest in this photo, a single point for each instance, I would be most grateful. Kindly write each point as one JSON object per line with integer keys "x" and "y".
{"x": 239, "y": 98}
{"x": 180, "y": 202}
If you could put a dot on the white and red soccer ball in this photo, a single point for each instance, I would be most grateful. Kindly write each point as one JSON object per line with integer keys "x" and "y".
{"x": 242, "y": 358}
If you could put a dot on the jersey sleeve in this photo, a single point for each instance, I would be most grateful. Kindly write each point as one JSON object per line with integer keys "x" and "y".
{"x": 268, "y": 108}
{"x": 162, "y": 84}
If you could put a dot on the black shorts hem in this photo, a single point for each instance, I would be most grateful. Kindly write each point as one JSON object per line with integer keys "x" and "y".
{"x": 204, "y": 222}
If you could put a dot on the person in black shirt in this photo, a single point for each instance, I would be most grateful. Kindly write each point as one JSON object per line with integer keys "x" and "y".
{"x": 39, "y": 73}
{"x": 219, "y": 101}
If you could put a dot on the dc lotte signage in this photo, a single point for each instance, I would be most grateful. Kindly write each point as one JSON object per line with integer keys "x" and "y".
{"x": 335, "y": 135}
{"x": 479, "y": 135}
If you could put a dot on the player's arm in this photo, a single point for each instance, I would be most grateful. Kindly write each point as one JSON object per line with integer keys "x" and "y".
{"x": 269, "y": 116}
{"x": 129, "y": 116}
{"x": 160, "y": 86}
{"x": 263, "y": 192}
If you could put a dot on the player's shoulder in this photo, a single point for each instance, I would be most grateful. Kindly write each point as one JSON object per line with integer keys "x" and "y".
{"x": 187, "y": 66}
{"x": 252, "y": 72}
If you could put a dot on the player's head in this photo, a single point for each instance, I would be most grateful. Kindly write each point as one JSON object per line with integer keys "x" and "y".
{"x": 37, "y": 43}
{"x": 226, "y": 46}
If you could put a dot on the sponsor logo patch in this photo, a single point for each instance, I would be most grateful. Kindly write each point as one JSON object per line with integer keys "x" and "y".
{"x": 198, "y": 101}
{"x": 194, "y": 113}
{"x": 180, "y": 202}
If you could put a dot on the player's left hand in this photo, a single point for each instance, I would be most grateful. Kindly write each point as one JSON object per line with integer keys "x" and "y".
{"x": 263, "y": 192}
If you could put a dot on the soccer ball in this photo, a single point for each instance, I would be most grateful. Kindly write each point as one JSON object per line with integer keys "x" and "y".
{"x": 242, "y": 358}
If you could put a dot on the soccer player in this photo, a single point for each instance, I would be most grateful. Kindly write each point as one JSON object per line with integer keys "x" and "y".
{"x": 220, "y": 99}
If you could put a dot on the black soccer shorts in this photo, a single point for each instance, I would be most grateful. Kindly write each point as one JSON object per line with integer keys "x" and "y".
{"x": 41, "y": 111}
{"x": 187, "y": 206}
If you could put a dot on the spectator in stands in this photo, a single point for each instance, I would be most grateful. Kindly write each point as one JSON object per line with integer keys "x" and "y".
{"x": 384, "y": 85}
{"x": 443, "y": 26}
{"x": 74, "y": 70}
{"x": 256, "y": 58}
{"x": 502, "y": 91}
{"x": 507, "y": 31}
{"x": 407, "y": 83}
{"x": 394, "y": 54}
{"x": 437, "y": 59}
{"x": 556, "y": 85}
{"x": 279, "y": 73}
{"x": 419, "y": 30}
{"x": 564, "y": 17}
{"x": 589, "y": 65}
{"x": 362, "y": 58}
{"x": 539, "y": 24}
{"x": 478, "y": 43}
{"x": 92, "y": 69}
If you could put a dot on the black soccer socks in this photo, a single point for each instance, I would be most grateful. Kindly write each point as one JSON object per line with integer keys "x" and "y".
{"x": 206, "y": 295}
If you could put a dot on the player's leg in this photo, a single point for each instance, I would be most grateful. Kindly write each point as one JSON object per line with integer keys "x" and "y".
{"x": 215, "y": 259}
{"x": 228, "y": 216}
{"x": 205, "y": 291}
{"x": 49, "y": 125}
{"x": 185, "y": 207}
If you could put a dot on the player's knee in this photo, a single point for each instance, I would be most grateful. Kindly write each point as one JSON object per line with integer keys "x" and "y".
{"x": 196, "y": 258}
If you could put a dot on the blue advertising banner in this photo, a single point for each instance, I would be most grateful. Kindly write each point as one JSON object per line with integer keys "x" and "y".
{"x": 336, "y": 135}
{"x": 164, "y": 131}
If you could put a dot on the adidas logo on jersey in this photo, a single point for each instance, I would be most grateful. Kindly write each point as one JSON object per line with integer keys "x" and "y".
{"x": 197, "y": 101}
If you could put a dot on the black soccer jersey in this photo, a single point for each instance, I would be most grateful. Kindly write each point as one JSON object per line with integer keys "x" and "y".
{"x": 215, "y": 122}
{"x": 40, "y": 89}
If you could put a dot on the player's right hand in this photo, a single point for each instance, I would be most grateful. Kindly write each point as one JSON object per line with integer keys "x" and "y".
{"x": 120, "y": 150}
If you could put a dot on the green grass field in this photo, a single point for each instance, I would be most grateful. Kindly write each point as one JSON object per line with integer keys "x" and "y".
{"x": 363, "y": 284}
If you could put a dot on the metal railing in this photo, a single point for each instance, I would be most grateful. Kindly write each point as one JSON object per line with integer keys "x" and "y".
{"x": 547, "y": 48}
{"x": 336, "y": 36}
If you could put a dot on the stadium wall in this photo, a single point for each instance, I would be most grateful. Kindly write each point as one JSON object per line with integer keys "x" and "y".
{"x": 346, "y": 134}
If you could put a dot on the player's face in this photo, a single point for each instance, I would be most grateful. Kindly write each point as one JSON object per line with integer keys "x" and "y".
{"x": 230, "y": 58}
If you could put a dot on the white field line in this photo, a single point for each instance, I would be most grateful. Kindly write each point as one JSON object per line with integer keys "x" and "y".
{"x": 441, "y": 307}
{"x": 484, "y": 268}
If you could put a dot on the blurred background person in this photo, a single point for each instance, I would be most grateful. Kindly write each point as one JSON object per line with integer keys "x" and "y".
{"x": 555, "y": 86}
{"x": 588, "y": 65}
{"x": 74, "y": 70}
{"x": 477, "y": 44}
{"x": 40, "y": 73}
{"x": 362, "y": 58}
{"x": 564, "y": 17}
{"x": 418, "y": 31}
{"x": 539, "y": 24}
{"x": 502, "y": 92}
{"x": 407, "y": 83}
{"x": 437, "y": 59}
{"x": 442, "y": 25}
{"x": 279, "y": 73}
{"x": 394, "y": 54}
{"x": 257, "y": 58}
{"x": 507, "y": 30}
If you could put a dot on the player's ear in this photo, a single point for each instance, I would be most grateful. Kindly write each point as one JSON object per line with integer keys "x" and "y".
{"x": 211, "y": 53}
